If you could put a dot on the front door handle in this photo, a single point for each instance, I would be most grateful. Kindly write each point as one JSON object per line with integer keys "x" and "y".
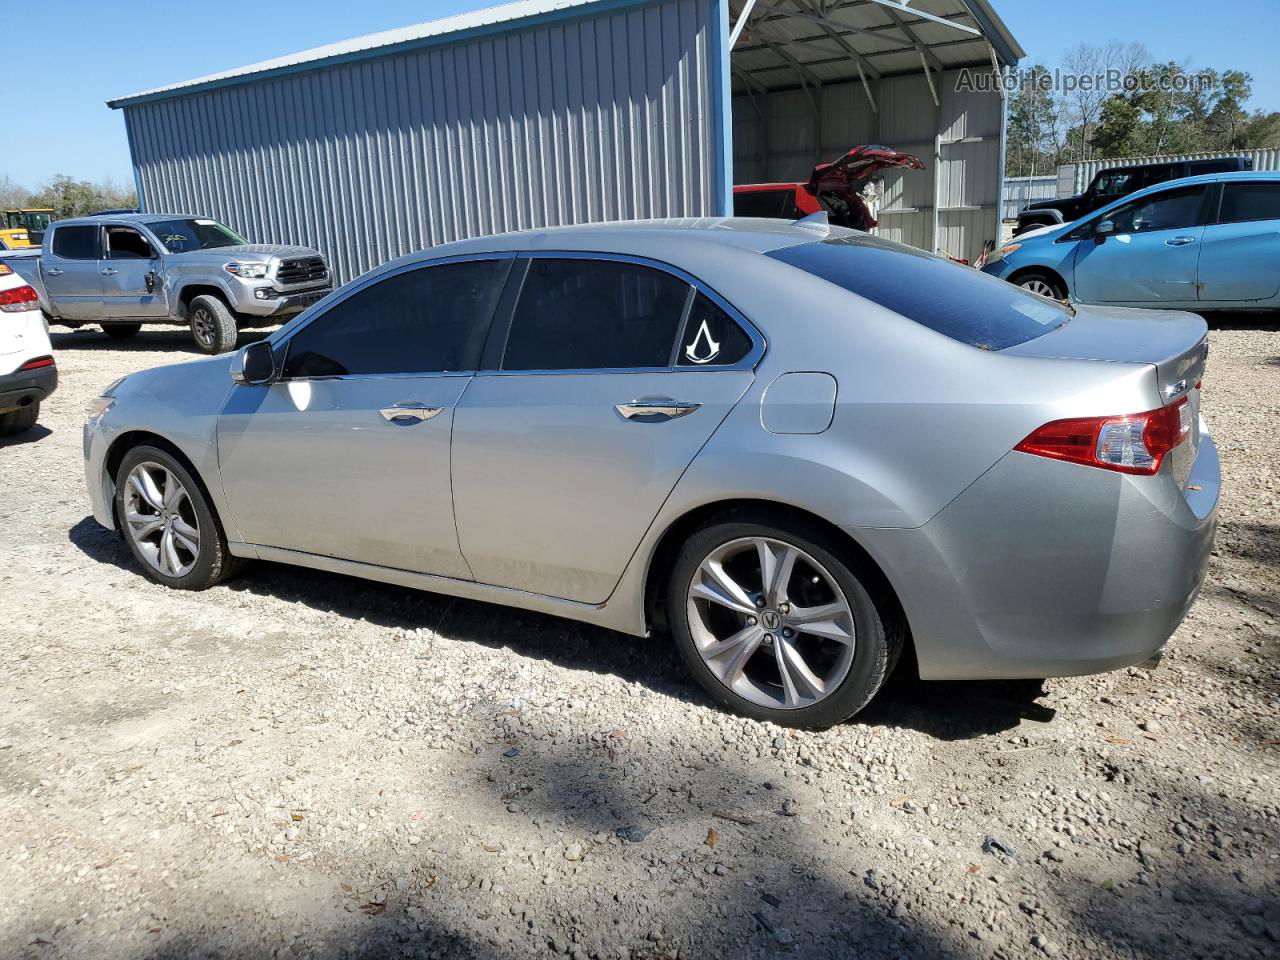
{"x": 1179, "y": 241}
{"x": 53, "y": 271}
{"x": 409, "y": 412}
{"x": 110, "y": 272}
{"x": 656, "y": 408}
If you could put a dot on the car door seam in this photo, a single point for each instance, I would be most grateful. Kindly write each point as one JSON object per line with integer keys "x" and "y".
{"x": 453, "y": 503}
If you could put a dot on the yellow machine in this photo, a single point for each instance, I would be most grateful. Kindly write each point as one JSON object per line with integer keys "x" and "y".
{"x": 24, "y": 228}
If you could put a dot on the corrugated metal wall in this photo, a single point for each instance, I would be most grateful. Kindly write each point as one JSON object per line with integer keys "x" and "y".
{"x": 779, "y": 137}
{"x": 1019, "y": 191}
{"x": 1084, "y": 172}
{"x": 607, "y": 117}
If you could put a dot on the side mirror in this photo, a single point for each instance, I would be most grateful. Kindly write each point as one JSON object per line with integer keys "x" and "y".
{"x": 1103, "y": 230}
{"x": 255, "y": 364}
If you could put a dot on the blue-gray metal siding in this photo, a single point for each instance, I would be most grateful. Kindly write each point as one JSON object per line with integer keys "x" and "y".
{"x": 610, "y": 116}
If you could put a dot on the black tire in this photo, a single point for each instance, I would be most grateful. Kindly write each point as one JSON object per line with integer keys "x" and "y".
{"x": 878, "y": 641}
{"x": 121, "y": 331}
{"x": 213, "y": 325}
{"x": 16, "y": 421}
{"x": 213, "y": 562}
{"x": 1033, "y": 280}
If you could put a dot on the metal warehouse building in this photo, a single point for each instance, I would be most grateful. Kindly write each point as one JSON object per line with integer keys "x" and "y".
{"x": 546, "y": 112}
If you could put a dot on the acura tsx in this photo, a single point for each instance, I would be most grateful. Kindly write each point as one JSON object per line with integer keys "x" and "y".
{"x": 802, "y": 449}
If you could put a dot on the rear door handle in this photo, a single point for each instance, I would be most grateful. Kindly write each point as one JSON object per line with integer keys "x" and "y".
{"x": 110, "y": 272}
{"x": 1179, "y": 241}
{"x": 656, "y": 408}
{"x": 409, "y": 412}
{"x": 53, "y": 272}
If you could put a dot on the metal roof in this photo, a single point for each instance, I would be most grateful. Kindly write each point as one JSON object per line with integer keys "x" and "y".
{"x": 489, "y": 19}
{"x": 790, "y": 43}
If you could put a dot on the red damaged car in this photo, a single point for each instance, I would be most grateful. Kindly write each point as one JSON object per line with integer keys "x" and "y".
{"x": 834, "y": 187}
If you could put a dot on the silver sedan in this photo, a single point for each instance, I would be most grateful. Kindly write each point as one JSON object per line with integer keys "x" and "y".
{"x": 803, "y": 450}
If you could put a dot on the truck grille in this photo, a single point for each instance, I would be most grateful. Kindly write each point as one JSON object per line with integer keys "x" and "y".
{"x": 302, "y": 270}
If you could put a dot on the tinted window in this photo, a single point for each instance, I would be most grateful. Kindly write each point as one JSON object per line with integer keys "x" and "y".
{"x": 711, "y": 336}
{"x": 1162, "y": 211}
{"x": 76, "y": 243}
{"x": 1115, "y": 183}
{"x": 774, "y": 204}
{"x": 593, "y": 315}
{"x": 126, "y": 244}
{"x": 960, "y": 302}
{"x": 425, "y": 321}
{"x": 1250, "y": 201}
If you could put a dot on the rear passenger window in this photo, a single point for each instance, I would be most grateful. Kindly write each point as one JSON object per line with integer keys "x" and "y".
{"x": 711, "y": 337}
{"x": 1242, "y": 202}
{"x": 76, "y": 243}
{"x": 430, "y": 320}
{"x": 594, "y": 315}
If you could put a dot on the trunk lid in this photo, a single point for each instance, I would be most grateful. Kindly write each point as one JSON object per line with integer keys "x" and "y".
{"x": 1175, "y": 343}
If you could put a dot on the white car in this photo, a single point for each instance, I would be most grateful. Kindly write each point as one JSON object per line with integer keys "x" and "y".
{"x": 28, "y": 373}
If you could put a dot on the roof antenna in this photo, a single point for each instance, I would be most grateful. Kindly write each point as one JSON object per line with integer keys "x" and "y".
{"x": 816, "y": 221}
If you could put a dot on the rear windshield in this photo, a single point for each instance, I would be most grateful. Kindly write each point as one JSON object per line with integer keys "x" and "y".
{"x": 958, "y": 301}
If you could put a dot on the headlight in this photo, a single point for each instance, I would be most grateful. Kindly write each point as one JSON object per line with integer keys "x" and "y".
{"x": 98, "y": 406}
{"x": 1004, "y": 252}
{"x": 249, "y": 271}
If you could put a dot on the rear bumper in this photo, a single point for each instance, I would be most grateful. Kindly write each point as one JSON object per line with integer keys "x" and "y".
{"x": 22, "y": 389}
{"x": 1043, "y": 568}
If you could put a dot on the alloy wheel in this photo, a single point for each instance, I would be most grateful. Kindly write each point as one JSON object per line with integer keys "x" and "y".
{"x": 202, "y": 327}
{"x": 1036, "y": 285}
{"x": 161, "y": 519}
{"x": 771, "y": 623}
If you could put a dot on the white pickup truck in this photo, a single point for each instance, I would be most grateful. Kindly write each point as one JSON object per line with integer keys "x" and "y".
{"x": 124, "y": 270}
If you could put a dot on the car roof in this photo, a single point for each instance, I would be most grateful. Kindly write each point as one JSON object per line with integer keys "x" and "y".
{"x": 129, "y": 218}
{"x": 757, "y": 234}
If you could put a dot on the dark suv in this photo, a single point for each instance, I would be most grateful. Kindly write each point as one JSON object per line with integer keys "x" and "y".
{"x": 1115, "y": 182}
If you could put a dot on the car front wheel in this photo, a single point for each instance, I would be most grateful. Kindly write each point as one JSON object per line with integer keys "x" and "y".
{"x": 775, "y": 625}
{"x": 213, "y": 326}
{"x": 1043, "y": 284}
{"x": 168, "y": 522}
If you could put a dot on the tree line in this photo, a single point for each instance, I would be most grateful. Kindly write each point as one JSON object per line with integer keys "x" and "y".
{"x": 1163, "y": 108}
{"x": 67, "y": 196}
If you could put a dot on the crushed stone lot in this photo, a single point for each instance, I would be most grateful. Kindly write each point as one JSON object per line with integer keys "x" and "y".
{"x": 299, "y": 764}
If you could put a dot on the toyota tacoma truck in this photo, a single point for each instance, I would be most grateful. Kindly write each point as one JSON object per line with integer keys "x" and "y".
{"x": 121, "y": 271}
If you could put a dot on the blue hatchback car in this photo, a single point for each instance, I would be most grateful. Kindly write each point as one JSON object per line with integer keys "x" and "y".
{"x": 1201, "y": 243}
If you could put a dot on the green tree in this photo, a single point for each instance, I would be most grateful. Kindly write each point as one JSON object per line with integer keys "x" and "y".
{"x": 74, "y": 198}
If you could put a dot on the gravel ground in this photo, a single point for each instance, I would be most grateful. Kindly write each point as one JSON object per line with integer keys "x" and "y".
{"x": 303, "y": 765}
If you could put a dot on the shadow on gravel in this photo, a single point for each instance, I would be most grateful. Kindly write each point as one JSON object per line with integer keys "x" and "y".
{"x": 147, "y": 340}
{"x": 1242, "y": 320}
{"x": 34, "y": 435}
{"x": 945, "y": 711}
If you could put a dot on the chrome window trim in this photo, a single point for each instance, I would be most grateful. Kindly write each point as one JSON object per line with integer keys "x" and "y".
{"x": 758, "y": 342}
{"x": 284, "y": 336}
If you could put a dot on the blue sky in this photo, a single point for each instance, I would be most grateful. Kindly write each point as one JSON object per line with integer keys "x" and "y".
{"x": 78, "y": 56}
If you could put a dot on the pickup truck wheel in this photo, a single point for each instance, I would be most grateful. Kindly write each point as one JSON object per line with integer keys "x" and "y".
{"x": 213, "y": 327}
{"x": 17, "y": 421}
{"x": 121, "y": 331}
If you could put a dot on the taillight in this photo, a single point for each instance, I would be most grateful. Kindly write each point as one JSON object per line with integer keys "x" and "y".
{"x": 37, "y": 363}
{"x": 1135, "y": 443}
{"x": 20, "y": 298}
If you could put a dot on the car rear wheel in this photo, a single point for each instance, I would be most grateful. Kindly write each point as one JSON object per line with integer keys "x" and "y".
{"x": 16, "y": 421}
{"x": 121, "y": 331}
{"x": 1043, "y": 284}
{"x": 776, "y": 625}
{"x": 168, "y": 523}
{"x": 213, "y": 326}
